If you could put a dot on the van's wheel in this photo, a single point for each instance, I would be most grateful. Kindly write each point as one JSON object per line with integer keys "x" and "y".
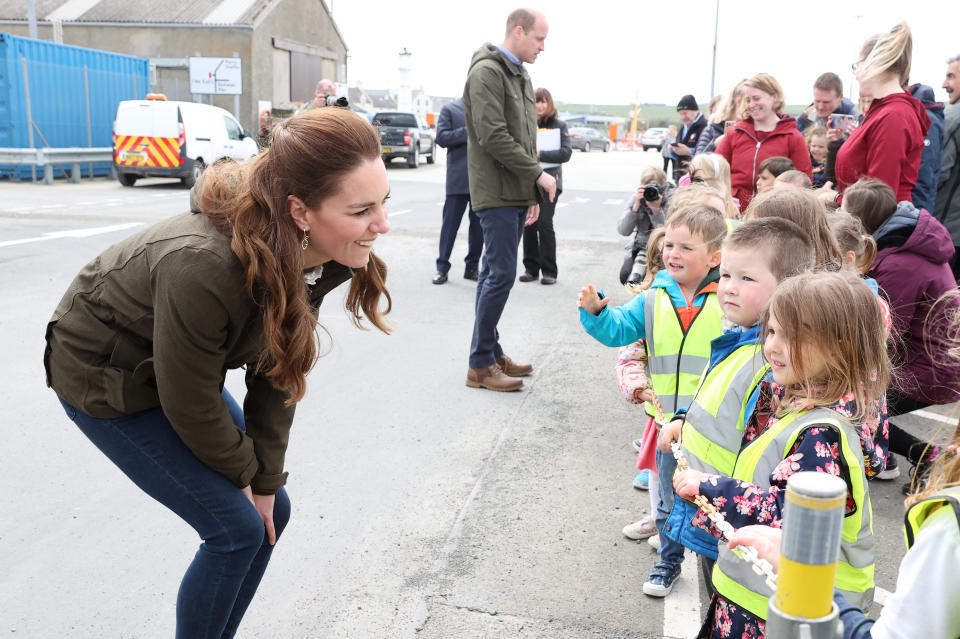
{"x": 127, "y": 179}
{"x": 433, "y": 154}
{"x": 414, "y": 160}
{"x": 586, "y": 147}
{"x": 195, "y": 173}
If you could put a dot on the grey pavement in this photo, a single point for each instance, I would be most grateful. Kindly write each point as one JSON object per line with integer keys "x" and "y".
{"x": 422, "y": 508}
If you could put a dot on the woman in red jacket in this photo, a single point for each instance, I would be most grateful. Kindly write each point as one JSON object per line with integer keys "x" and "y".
{"x": 888, "y": 144}
{"x": 763, "y": 133}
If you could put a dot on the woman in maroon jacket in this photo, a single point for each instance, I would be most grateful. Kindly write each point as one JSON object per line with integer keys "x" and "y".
{"x": 888, "y": 144}
{"x": 763, "y": 133}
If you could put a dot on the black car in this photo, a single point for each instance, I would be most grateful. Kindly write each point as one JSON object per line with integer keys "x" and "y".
{"x": 586, "y": 138}
{"x": 404, "y": 135}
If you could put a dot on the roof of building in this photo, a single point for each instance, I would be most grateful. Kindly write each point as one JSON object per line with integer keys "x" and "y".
{"x": 140, "y": 11}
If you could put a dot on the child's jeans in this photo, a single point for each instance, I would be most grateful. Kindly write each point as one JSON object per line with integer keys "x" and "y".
{"x": 670, "y": 551}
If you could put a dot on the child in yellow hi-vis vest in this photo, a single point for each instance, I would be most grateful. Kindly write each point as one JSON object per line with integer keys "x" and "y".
{"x": 824, "y": 340}
{"x": 677, "y": 318}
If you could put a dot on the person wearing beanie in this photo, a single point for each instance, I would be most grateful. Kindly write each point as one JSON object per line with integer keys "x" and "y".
{"x": 693, "y": 125}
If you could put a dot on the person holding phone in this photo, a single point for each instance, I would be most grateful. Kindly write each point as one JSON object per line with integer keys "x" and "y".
{"x": 889, "y": 144}
{"x": 686, "y": 143}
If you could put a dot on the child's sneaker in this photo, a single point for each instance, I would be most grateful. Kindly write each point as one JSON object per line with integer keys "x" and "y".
{"x": 640, "y": 529}
{"x": 890, "y": 470}
{"x": 642, "y": 480}
{"x": 661, "y": 579}
{"x": 654, "y": 541}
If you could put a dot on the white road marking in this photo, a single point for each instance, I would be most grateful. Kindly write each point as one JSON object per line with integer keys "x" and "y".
{"x": 581, "y": 200}
{"x": 562, "y": 204}
{"x": 618, "y": 202}
{"x": 396, "y": 213}
{"x": 681, "y": 608}
{"x": 926, "y": 414}
{"x": 74, "y": 233}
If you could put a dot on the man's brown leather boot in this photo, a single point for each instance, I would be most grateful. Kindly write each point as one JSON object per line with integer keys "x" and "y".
{"x": 492, "y": 378}
{"x": 512, "y": 368}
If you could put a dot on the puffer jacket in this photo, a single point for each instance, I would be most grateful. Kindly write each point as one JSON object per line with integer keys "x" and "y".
{"x": 947, "y": 208}
{"x": 744, "y": 151}
{"x": 911, "y": 269}
{"x": 501, "y": 113}
{"x": 925, "y": 190}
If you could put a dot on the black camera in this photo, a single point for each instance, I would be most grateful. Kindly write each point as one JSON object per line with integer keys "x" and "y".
{"x": 652, "y": 191}
{"x": 332, "y": 100}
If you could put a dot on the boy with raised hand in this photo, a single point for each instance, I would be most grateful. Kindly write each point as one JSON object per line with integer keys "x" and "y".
{"x": 756, "y": 257}
{"x": 677, "y": 318}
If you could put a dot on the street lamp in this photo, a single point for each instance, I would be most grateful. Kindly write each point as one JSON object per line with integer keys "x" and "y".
{"x": 404, "y": 99}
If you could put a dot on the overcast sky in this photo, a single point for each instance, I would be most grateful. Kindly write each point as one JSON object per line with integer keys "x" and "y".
{"x": 608, "y": 51}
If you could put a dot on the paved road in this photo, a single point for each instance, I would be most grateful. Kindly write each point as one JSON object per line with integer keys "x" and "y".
{"x": 421, "y": 507}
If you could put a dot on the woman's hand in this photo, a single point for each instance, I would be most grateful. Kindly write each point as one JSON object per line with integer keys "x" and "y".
{"x": 669, "y": 434}
{"x": 764, "y": 538}
{"x": 590, "y": 301}
{"x": 264, "y": 506}
{"x": 686, "y": 483}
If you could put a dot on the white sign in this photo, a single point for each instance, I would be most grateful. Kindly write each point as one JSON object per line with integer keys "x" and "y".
{"x": 216, "y": 75}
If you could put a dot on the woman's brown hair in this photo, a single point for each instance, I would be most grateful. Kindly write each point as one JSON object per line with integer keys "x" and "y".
{"x": 308, "y": 156}
{"x": 542, "y": 95}
{"x": 831, "y": 319}
{"x": 803, "y": 209}
{"x": 870, "y": 200}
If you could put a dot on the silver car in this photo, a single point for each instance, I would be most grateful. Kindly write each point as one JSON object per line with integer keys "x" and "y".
{"x": 653, "y": 138}
{"x": 586, "y": 138}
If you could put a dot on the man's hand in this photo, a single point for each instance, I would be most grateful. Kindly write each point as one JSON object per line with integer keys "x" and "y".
{"x": 681, "y": 149}
{"x": 590, "y": 301}
{"x": 548, "y": 184}
{"x": 264, "y": 506}
{"x": 686, "y": 483}
{"x": 669, "y": 434}
{"x": 533, "y": 212}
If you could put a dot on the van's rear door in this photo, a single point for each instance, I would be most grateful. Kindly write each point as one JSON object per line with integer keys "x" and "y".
{"x": 147, "y": 133}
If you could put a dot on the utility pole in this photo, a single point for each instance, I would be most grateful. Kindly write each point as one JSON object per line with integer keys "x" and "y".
{"x": 32, "y": 18}
{"x": 713, "y": 70}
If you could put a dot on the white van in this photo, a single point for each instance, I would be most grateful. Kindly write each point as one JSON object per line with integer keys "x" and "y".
{"x": 160, "y": 138}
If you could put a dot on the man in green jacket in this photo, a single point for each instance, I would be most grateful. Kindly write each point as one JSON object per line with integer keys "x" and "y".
{"x": 504, "y": 172}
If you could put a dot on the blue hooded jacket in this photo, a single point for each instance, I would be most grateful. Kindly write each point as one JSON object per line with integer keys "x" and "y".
{"x": 677, "y": 526}
{"x": 924, "y": 194}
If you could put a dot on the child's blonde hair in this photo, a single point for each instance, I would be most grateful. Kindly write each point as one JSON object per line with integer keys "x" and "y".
{"x": 851, "y": 236}
{"x": 654, "y": 260}
{"x": 701, "y": 193}
{"x": 831, "y": 319}
{"x": 705, "y": 166}
{"x": 814, "y": 132}
{"x": 805, "y": 210}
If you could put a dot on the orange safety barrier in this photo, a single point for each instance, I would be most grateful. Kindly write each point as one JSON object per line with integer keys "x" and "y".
{"x": 138, "y": 150}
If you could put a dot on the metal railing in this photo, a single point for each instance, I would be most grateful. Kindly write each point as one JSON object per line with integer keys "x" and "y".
{"x": 48, "y": 157}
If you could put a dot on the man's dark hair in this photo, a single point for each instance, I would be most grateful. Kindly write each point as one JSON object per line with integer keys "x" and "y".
{"x": 776, "y": 165}
{"x": 786, "y": 247}
{"x": 829, "y": 82}
{"x": 523, "y": 18}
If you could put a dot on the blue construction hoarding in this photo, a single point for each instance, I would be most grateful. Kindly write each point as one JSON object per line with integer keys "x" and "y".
{"x": 70, "y": 94}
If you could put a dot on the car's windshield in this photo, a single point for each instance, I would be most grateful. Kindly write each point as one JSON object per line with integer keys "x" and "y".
{"x": 395, "y": 119}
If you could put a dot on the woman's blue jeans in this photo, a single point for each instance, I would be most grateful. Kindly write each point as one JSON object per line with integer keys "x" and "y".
{"x": 224, "y": 575}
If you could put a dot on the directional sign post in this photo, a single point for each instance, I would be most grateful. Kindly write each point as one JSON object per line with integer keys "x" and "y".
{"x": 217, "y": 76}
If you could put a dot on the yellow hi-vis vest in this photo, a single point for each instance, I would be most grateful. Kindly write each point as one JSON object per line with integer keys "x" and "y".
{"x": 945, "y": 503}
{"x": 676, "y": 359}
{"x": 734, "y": 578}
{"x": 713, "y": 426}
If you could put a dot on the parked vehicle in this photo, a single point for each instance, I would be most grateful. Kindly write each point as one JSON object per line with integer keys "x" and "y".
{"x": 585, "y": 139}
{"x": 405, "y": 135}
{"x": 157, "y": 138}
{"x": 653, "y": 138}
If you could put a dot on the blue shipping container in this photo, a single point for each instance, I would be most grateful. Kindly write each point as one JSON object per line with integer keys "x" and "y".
{"x": 59, "y": 78}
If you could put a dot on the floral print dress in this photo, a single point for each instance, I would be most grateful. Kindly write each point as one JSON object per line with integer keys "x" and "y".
{"x": 743, "y": 503}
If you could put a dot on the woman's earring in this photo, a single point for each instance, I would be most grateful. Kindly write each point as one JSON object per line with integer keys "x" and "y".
{"x": 306, "y": 240}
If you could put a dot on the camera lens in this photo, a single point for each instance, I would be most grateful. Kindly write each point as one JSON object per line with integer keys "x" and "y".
{"x": 651, "y": 193}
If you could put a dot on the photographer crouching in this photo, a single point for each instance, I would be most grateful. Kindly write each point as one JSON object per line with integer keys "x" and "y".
{"x": 644, "y": 212}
